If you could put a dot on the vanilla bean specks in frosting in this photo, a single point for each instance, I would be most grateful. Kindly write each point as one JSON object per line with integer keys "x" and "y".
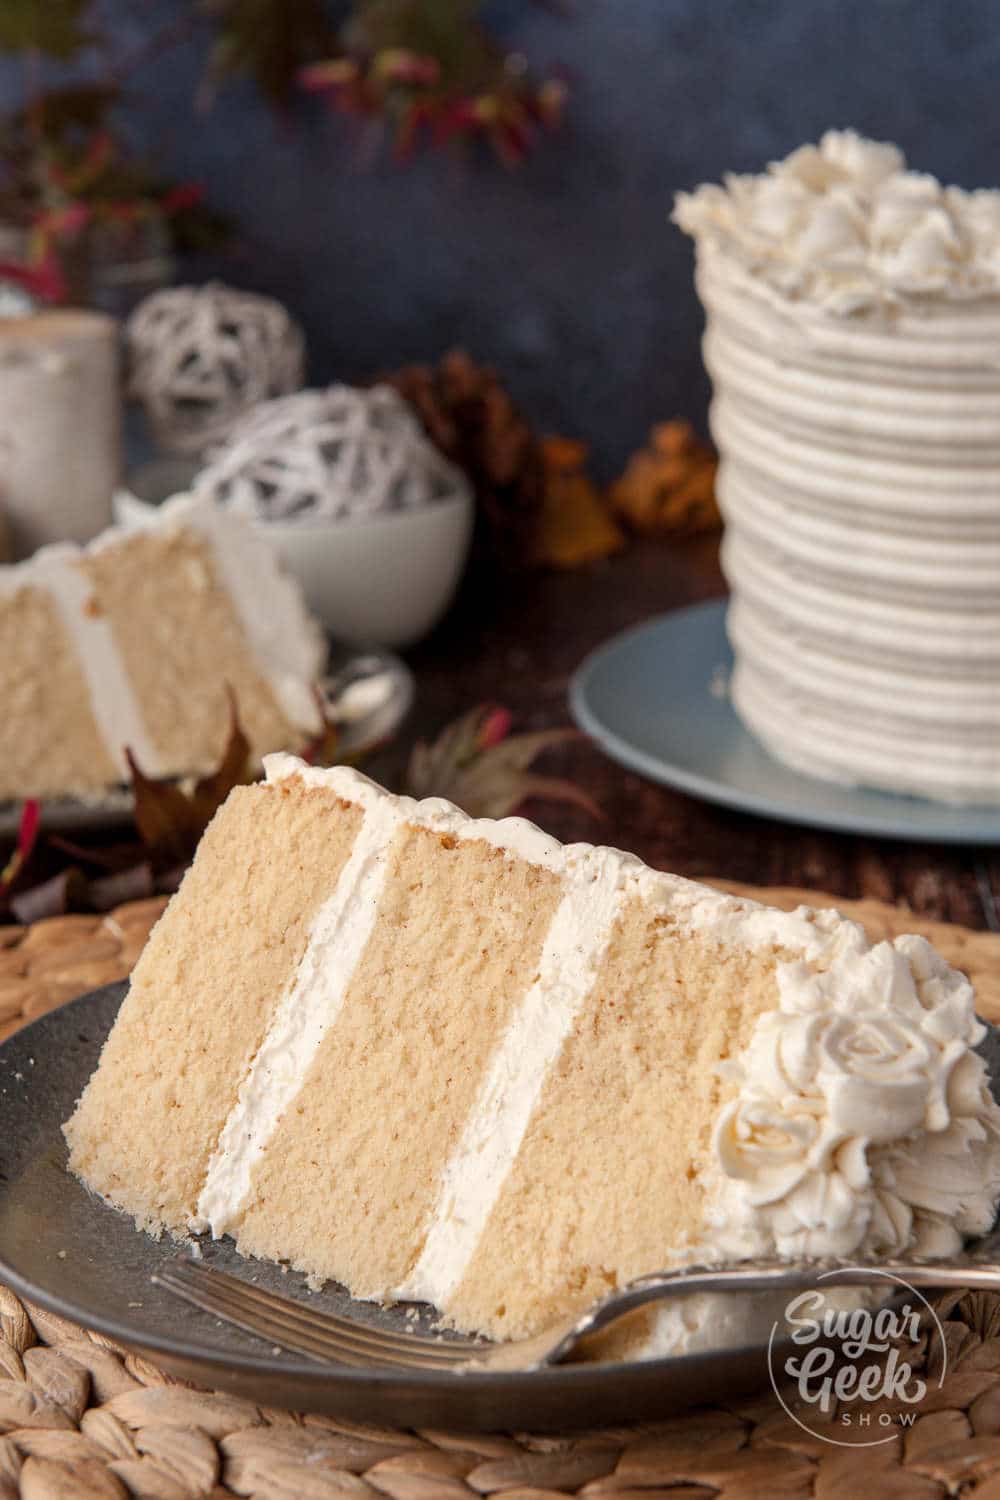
{"x": 845, "y": 224}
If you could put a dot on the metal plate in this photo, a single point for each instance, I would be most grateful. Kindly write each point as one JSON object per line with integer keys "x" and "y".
{"x": 64, "y": 1249}
{"x": 653, "y": 698}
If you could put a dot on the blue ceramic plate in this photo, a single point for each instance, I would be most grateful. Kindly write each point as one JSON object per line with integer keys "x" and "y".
{"x": 654, "y": 698}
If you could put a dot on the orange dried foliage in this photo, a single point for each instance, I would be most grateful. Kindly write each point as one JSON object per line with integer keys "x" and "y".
{"x": 668, "y": 487}
{"x": 575, "y": 525}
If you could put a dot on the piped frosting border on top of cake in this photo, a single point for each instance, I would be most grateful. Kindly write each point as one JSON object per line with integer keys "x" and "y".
{"x": 286, "y": 644}
{"x": 853, "y": 1104}
{"x": 845, "y": 226}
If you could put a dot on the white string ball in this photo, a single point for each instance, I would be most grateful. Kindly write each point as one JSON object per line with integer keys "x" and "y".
{"x": 201, "y": 356}
{"x": 336, "y": 454}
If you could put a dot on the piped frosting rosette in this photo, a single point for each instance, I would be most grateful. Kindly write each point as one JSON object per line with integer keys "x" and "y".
{"x": 860, "y": 1121}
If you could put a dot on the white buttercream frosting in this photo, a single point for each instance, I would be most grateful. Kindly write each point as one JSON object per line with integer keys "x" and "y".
{"x": 846, "y": 225}
{"x": 308, "y": 1008}
{"x": 862, "y": 1121}
{"x": 477, "y": 1170}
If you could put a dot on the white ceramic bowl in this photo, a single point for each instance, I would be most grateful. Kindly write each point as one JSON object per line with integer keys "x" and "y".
{"x": 386, "y": 580}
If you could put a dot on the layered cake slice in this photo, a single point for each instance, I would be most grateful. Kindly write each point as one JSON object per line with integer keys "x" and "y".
{"x": 134, "y": 642}
{"x": 453, "y": 1060}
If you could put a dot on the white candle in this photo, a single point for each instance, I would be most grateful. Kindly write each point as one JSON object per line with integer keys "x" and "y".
{"x": 60, "y": 426}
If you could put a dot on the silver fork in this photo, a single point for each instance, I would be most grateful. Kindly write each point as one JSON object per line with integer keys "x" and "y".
{"x": 331, "y": 1339}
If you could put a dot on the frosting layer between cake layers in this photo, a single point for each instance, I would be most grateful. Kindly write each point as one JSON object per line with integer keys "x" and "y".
{"x": 284, "y": 644}
{"x": 857, "y": 1119}
{"x": 853, "y": 339}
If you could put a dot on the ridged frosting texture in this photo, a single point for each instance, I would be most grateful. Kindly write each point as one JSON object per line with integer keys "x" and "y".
{"x": 862, "y": 1121}
{"x": 857, "y": 416}
{"x": 844, "y": 223}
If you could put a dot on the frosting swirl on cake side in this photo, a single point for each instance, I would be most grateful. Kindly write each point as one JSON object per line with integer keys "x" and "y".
{"x": 861, "y": 1121}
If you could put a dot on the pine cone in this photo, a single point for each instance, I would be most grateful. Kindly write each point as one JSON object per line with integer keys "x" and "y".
{"x": 469, "y": 415}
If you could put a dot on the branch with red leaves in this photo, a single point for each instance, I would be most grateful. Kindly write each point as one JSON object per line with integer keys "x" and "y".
{"x": 431, "y": 73}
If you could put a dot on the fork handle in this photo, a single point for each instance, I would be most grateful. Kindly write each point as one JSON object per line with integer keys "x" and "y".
{"x": 662, "y": 1286}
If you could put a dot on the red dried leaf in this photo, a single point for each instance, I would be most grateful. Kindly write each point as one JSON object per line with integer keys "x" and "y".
{"x": 170, "y": 820}
{"x": 27, "y": 837}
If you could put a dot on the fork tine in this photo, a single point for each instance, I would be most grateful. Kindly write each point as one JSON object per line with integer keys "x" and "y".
{"x": 263, "y": 1327}
{"x": 327, "y": 1349}
{"x": 335, "y": 1345}
{"x": 325, "y": 1323}
{"x": 320, "y": 1335}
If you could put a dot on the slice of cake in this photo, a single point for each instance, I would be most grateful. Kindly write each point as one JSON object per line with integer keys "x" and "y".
{"x": 444, "y": 1059}
{"x": 135, "y": 640}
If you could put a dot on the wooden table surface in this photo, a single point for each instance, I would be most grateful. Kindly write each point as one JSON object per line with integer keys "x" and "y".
{"x": 516, "y": 640}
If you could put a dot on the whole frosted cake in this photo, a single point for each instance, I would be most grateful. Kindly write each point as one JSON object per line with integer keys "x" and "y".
{"x": 853, "y": 339}
{"x": 453, "y": 1060}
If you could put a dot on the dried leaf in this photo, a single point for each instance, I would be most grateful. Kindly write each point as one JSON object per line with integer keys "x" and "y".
{"x": 575, "y": 525}
{"x": 164, "y": 814}
{"x": 476, "y": 763}
{"x": 170, "y": 820}
{"x": 669, "y": 486}
{"x": 211, "y": 791}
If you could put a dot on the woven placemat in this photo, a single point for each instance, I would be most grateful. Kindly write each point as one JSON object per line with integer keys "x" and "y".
{"x": 80, "y": 1419}
{"x": 55, "y": 960}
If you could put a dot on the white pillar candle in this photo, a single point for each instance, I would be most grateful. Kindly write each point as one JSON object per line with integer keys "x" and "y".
{"x": 60, "y": 426}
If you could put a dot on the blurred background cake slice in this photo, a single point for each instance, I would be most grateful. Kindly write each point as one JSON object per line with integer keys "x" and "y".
{"x": 137, "y": 640}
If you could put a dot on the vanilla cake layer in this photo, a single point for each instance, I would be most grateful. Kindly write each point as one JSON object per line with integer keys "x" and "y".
{"x": 201, "y": 999}
{"x": 52, "y": 738}
{"x": 452, "y": 1060}
{"x": 183, "y": 648}
{"x": 132, "y": 642}
{"x": 460, "y": 934}
{"x": 638, "y": 1070}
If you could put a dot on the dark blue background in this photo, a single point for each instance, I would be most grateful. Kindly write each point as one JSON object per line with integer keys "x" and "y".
{"x": 568, "y": 274}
